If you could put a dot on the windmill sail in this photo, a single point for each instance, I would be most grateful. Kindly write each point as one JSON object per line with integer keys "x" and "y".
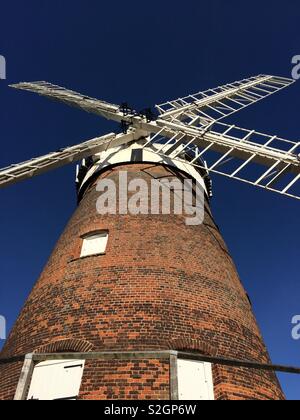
{"x": 37, "y": 166}
{"x": 187, "y": 129}
{"x": 71, "y": 98}
{"x": 216, "y": 104}
{"x": 258, "y": 159}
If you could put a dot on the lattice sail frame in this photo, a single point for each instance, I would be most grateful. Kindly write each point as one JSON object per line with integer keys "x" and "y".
{"x": 192, "y": 127}
{"x": 202, "y": 108}
{"x": 241, "y": 157}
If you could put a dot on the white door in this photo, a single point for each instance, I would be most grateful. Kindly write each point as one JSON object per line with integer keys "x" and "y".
{"x": 195, "y": 380}
{"x": 56, "y": 380}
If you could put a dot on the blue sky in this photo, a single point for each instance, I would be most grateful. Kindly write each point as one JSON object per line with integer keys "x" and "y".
{"x": 145, "y": 53}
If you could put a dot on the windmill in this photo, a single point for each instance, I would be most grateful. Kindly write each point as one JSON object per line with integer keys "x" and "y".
{"x": 188, "y": 132}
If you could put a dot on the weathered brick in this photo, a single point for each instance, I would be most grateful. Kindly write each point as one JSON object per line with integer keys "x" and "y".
{"x": 161, "y": 285}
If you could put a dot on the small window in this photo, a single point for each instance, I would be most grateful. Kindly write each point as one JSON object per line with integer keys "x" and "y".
{"x": 56, "y": 380}
{"x": 94, "y": 244}
{"x": 195, "y": 380}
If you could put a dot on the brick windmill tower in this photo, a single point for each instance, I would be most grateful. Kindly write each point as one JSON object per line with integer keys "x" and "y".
{"x": 138, "y": 305}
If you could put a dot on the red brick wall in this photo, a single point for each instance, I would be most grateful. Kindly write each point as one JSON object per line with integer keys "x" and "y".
{"x": 126, "y": 380}
{"x": 160, "y": 281}
{"x": 245, "y": 384}
{"x": 9, "y": 377}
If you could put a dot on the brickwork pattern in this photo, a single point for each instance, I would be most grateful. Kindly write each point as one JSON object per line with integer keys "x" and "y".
{"x": 159, "y": 282}
{"x": 126, "y": 380}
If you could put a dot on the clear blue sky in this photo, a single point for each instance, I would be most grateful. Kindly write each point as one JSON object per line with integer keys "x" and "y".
{"x": 144, "y": 53}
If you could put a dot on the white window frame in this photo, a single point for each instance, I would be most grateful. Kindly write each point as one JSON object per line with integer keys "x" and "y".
{"x": 94, "y": 243}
